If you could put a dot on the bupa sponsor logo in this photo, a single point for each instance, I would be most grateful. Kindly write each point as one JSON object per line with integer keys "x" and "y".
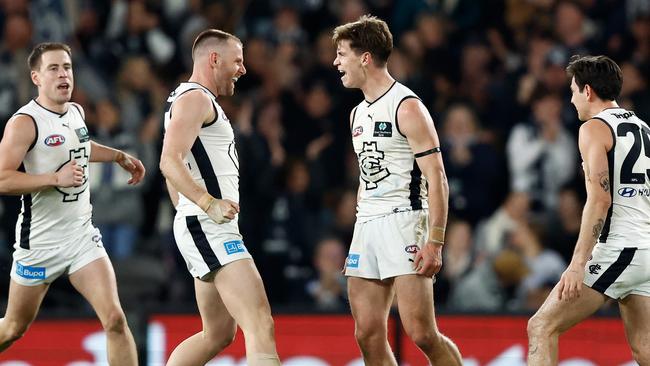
{"x": 352, "y": 261}
{"x": 357, "y": 131}
{"x": 627, "y": 192}
{"x": 54, "y": 140}
{"x": 29, "y": 272}
{"x": 234, "y": 246}
{"x": 412, "y": 249}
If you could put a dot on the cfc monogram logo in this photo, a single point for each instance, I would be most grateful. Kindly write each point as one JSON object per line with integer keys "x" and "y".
{"x": 594, "y": 268}
{"x": 370, "y": 161}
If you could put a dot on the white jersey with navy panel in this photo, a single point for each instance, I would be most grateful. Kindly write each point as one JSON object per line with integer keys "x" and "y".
{"x": 212, "y": 160}
{"x": 628, "y": 219}
{"x": 51, "y": 216}
{"x": 390, "y": 179}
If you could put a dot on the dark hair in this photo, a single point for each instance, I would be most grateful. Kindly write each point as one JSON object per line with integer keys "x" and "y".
{"x": 601, "y": 73}
{"x": 210, "y": 34}
{"x": 35, "y": 57}
{"x": 368, "y": 34}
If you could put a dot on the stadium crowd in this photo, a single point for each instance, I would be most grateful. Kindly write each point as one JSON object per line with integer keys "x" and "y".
{"x": 492, "y": 74}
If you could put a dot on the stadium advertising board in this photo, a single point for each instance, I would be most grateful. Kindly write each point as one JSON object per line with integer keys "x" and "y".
{"x": 323, "y": 340}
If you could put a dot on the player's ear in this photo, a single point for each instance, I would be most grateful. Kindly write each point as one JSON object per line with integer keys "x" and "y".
{"x": 214, "y": 58}
{"x": 34, "y": 77}
{"x": 365, "y": 58}
{"x": 589, "y": 92}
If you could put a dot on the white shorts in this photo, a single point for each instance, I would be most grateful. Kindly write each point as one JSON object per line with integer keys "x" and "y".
{"x": 207, "y": 246}
{"x": 386, "y": 247}
{"x": 33, "y": 267}
{"x": 618, "y": 272}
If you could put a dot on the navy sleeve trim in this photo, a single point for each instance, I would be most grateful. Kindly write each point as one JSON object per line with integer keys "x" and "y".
{"x": 35, "y": 129}
{"x": 397, "y": 110}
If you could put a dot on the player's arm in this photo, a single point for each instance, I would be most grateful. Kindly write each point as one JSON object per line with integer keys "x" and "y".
{"x": 594, "y": 140}
{"x": 173, "y": 193}
{"x": 191, "y": 111}
{"x": 18, "y": 138}
{"x": 100, "y": 153}
{"x": 417, "y": 125}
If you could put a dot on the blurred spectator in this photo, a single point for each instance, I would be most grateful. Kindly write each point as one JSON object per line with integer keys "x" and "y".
{"x": 572, "y": 28}
{"x": 491, "y": 234}
{"x": 545, "y": 266}
{"x": 541, "y": 152}
{"x": 565, "y": 223}
{"x": 635, "y": 95}
{"x": 469, "y": 161}
{"x": 328, "y": 291}
{"x": 490, "y": 286}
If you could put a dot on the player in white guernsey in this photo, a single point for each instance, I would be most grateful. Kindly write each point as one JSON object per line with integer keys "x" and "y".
{"x": 611, "y": 259}
{"x": 200, "y": 164}
{"x": 397, "y": 243}
{"x": 44, "y": 156}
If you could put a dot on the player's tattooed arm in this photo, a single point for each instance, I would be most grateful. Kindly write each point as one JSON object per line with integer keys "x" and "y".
{"x": 603, "y": 179}
{"x": 598, "y": 228}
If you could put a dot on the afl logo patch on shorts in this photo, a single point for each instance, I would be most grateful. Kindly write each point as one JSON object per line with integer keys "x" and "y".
{"x": 412, "y": 249}
{"x": 357, "y": 131}
{"x": 54, "y": 140}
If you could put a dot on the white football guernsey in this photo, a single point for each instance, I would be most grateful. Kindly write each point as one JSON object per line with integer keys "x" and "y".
{"x": 51, "y": 216}
{"x": 212, "y": 160}
{"x": 390, "y": 179}
{"x": 628, "y": 219}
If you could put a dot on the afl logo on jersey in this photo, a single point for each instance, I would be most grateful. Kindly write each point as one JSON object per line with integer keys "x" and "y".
{"x": 54, "y": 140}
{"x": 357, "y": 131}
{"x": 627, "y": 192}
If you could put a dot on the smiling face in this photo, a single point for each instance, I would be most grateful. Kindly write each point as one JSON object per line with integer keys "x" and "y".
{"x": 349, "y": 64}
{"x": 229, "y": 66}
{"x": 54, "y": 77}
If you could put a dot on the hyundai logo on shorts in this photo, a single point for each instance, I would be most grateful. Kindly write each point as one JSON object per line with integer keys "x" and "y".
{"x": 234, "y": 246}
{"x": 352, "y": 261}
{"x": 627, "y": 192}
{"x": 29, "y": 272}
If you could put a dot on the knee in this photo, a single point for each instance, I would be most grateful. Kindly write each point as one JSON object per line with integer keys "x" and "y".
{"x": 427, "y": 340}
{"x": 538, "y": 326}
{"x": 221, "y": 339}
{"x": 13, "y": 330}
{"x": 367, "y": 334}
{"x": 115, "y": 322}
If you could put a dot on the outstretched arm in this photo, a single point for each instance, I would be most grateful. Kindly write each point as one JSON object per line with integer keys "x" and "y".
{"x": 18, "y": 137}
{"x": 191, "y": 111}
{"x": 594, "y": 140}
{"x": 417, "y": 125}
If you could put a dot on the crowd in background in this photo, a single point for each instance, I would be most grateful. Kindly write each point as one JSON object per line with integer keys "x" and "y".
{"x": 490, "y": 72}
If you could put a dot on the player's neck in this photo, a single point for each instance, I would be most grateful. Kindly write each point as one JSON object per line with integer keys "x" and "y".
{"x": 51, "y": 105}
{"x": 602, "y": 105}
{"x": 377, "y": 84}
{"x": 204, "y": 81}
